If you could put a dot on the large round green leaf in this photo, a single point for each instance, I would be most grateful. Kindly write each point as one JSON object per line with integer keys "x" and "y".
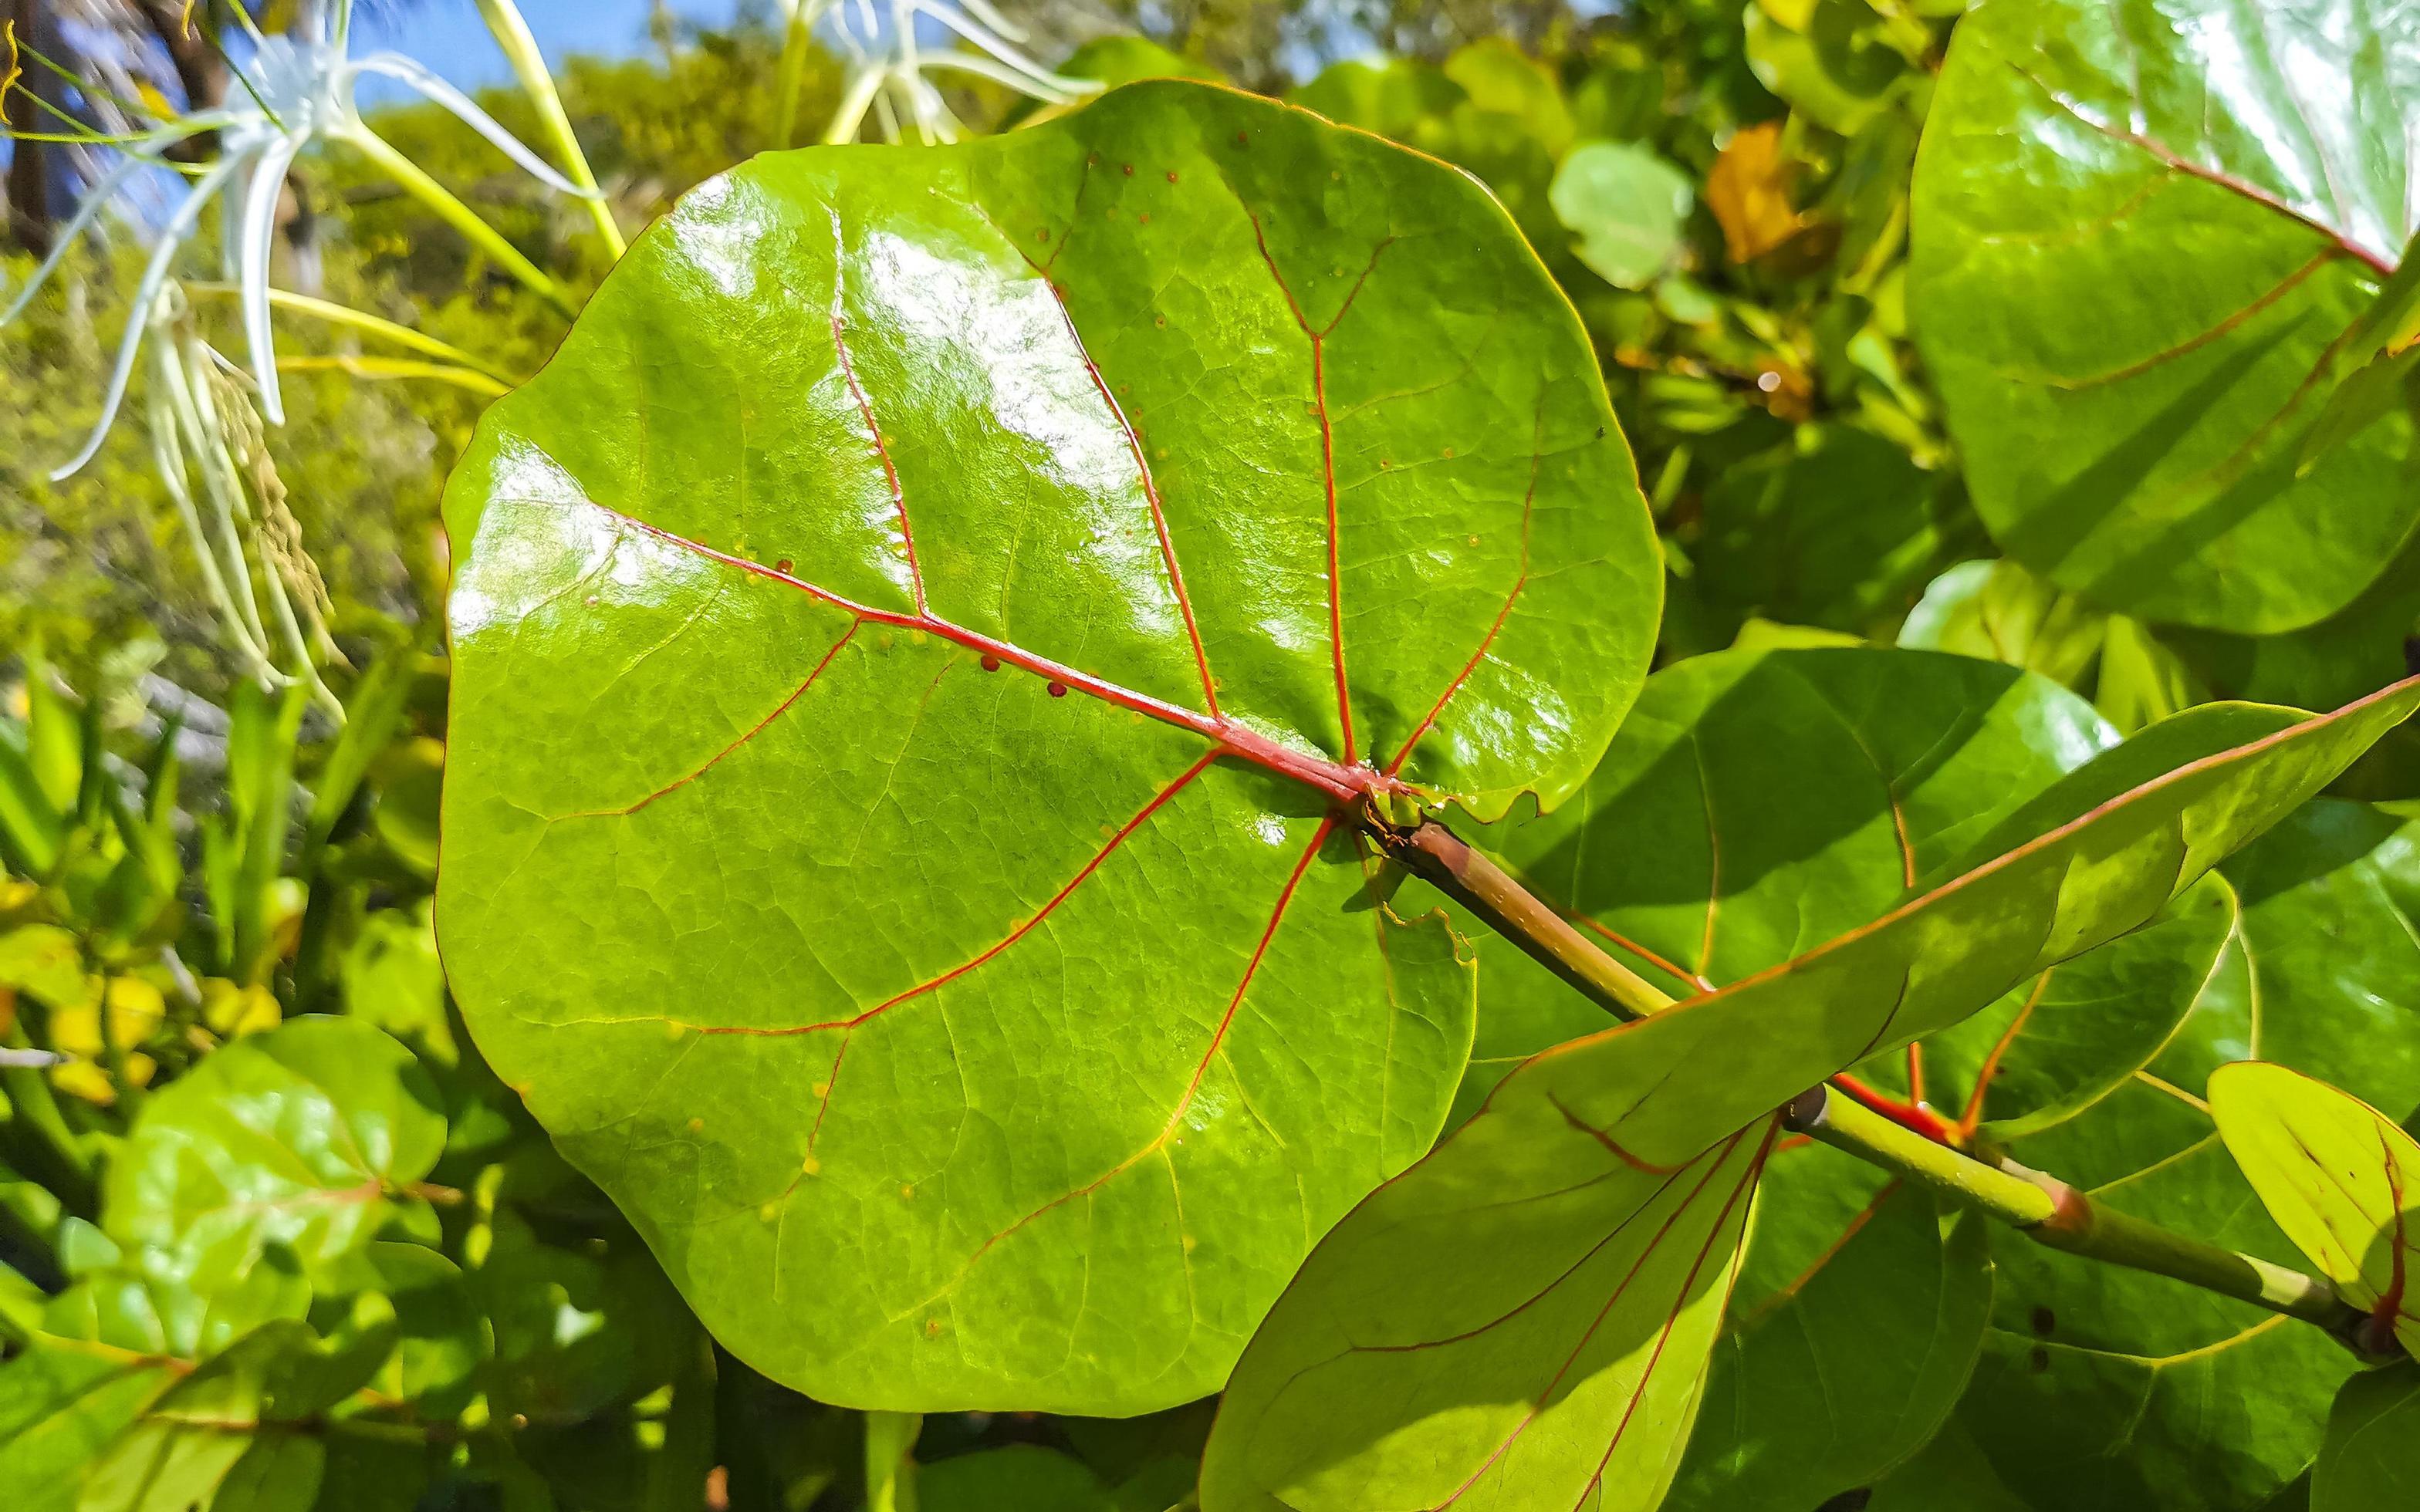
{"x": 2140, "y": 234}
{"x": 1858, "y": 1313}
{"x": 910, "y": 646}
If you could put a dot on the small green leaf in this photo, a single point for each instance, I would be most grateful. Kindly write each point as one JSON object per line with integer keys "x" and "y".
{"x": 1626, "y": 205}
{"x": 2370, "y": 1458}
{"x": 2000, "y": 611}
{"x": 306, "y": 1138}
{"x": 1831, "y": 60}
{"x": 2339, "y": 1176}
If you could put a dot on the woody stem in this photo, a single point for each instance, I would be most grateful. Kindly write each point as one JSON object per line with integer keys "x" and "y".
{"x": 2041, "y": 1206}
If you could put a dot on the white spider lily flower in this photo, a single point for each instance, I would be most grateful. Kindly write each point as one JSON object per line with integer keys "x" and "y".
{"x": 290, "y": 92}
{"x": 243, "y": 536}
{"x": 887, "y": 66}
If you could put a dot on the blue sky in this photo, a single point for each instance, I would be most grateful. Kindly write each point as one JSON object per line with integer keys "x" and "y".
{"x": 449, "y": 37}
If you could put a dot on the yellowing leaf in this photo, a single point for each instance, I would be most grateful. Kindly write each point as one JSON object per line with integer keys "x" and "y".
{"x": 2337, "y": 1176}
{"x": 87, "y": 1080}
{"x": 232, "y": 1010}
{"x": 136, "y": 1009}
{"x": 1749, "y": 191}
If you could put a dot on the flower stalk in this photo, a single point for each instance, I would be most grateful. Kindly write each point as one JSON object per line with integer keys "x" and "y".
{"x": 512, "y": 34}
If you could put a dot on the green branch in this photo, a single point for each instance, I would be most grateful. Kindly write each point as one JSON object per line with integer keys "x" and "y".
{"x": 2042, "y": 1208}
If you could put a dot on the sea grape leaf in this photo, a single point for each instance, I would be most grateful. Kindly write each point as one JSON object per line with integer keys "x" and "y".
{"x": 1520, "y": 1321}
{"x": 2130, "y": 432}
{"x": 2370, "y": 1458}
{"x": 2337, "y": 1176}
{"x": 1837, "y": 529}
{"x": 306, "y": 1138}
{"x": 1998, "y": 610}
{"x": 1699, "y": 860}
{"x": 912, "y": 587}
{"x": 2054, "y": 1046}
{"x": 1883, "y": 1306}
{"x": 1459, "y": 1332}
{"x": 1835, "y": 1366}
{"x": 2109, "y": 1391}
{"x": 1628, "y": 207}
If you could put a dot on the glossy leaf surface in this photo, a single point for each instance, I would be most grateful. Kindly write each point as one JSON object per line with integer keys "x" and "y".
{"x": 306, "y": 1139}
{"x": 2337, "y": 1176}
{"x": 2140, "y": 233}
{"x": 1443, "y": 1324}
{"x": 907, "y": 647}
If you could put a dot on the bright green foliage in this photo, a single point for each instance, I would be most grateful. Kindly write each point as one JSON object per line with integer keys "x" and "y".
{"x": 1897, "y": 761}
{"x": 1626, "y": 205}
{"x": 1722, "y": 191}
{"x": 2131, "y": 432}
{"x": 307, "y": 1139}
{"x": 2371, "y": 1456}
{"x": 1485, "y": 1271}
{"x": 2339, "y": 1176}
{"x": 907, "y": 644}
{"x": 1857, "y": 1314}
{"x": 2106, "y": 1389}
{"x": 1840, "y": 63}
